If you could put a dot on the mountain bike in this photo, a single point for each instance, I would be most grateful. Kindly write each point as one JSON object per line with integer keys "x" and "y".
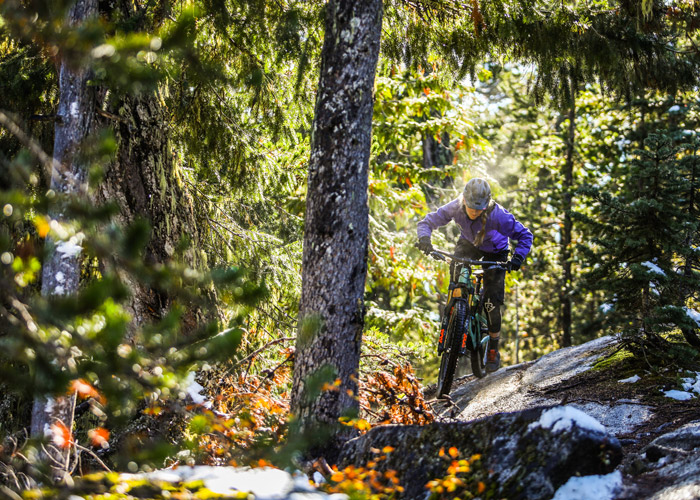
{"x": 463, "y": 327}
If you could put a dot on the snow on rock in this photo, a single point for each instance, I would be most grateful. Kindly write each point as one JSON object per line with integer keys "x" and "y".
{"x": 68, "y": 249}
{"x": 631, "y": 380}
{"x": 678, "y": 395}
{"x": 562, "y": 418}
{"x": 588, "y": 487}
{"x": 263, "y": 483}
{"x": 654, "y": 268}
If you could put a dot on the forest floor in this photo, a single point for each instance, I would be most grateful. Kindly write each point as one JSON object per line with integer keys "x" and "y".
{"x": 626, "y": 395}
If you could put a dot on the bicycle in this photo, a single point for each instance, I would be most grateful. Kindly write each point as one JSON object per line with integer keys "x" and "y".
{"x": 463, "y": 327}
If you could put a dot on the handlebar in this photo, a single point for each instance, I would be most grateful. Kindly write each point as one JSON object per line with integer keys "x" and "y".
{"x": 438, "y": 254}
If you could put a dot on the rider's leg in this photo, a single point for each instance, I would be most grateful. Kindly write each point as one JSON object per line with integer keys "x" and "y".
{"x": 494, "y": 294}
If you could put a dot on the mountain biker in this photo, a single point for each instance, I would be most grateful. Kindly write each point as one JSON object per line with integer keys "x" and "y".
{"x": 486, "y": 228}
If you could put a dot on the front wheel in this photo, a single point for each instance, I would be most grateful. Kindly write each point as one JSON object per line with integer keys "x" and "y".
{"x": 453, "y": 342}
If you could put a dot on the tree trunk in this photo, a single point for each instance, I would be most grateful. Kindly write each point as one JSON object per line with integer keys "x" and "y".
{"x": 334, "y": 262}
{"x": 61, "y": 269}
{"x": 145, "y": 183}
{"x": 565, "y": 242}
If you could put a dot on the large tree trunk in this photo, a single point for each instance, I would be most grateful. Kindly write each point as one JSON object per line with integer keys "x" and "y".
{"x": 567, "y": 229}
{"x": 61, "y": 269}
{"x": 145, "y": 183}
{"x": 334, "y": 263}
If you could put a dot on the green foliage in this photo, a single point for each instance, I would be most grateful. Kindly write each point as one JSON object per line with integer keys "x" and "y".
{"x": 413, "y": 111}
{"x": 645, "y": 238}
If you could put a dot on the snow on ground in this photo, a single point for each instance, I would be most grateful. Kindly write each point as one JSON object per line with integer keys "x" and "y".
{"x": 631, "y": 380}
{"x": 194, "y": 390}
{"x": 589, "y": 487}
{"x": 562, "y": 418}
{"x": 692, "y": 384}
{"x": 264, "y": 483}
{"x": 678, "y": 395}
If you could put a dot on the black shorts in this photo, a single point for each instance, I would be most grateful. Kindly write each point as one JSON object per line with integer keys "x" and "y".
{"x": 494, "y": 279}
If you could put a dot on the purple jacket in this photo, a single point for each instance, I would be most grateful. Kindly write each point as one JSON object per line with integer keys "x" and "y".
{"x": 500, "y": 226}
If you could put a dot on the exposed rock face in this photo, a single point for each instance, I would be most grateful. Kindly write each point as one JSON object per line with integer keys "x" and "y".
{"x": 527, "y": 454}
{"x": 672, "y": 460}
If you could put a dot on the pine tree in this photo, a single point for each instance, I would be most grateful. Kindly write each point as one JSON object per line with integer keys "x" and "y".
{"x": 642, "y": 237}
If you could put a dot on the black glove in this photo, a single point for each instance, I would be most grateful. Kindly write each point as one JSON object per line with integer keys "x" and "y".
{"x": 425, "y": 246}
{"x": 515, "y": 263}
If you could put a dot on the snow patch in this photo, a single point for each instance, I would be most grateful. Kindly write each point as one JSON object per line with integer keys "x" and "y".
{"x": 654, "y": 268}
{"x": 68, "y": 249}
{"x": 587, "y": 487}
{"x": 60, "y": 277}
{"x": 194, "y": 389}
{"x": 678, "y": 395}
{"x": 631, "y": 380}
{"x": 693, "y": 314}
{"x": 692, "y": 384}
{"x": 562, "y": 418}
{"x": 264, "y": 483}
{"x": 606, "y": 308}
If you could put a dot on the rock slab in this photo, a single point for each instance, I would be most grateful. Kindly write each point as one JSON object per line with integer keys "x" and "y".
{"x": 526, "y": 454}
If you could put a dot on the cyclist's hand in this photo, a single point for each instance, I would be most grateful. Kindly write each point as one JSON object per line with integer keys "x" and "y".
{"x": 425, "y": 246}
{"x": 515, "y": 263}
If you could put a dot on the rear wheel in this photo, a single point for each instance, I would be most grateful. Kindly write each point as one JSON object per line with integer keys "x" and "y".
{"x": 453, "y": 341}
{"x": 478, "y": 356}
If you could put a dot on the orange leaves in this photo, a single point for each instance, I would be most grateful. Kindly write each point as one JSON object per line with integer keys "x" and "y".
{"x": 463, "y": 479}
{"x": 395, "y": 398}
{"x": 367, "y": 481}
{"x": 84, "y": 390}
{"x": 61, "y": 435}
{"x": 99, "y": 437}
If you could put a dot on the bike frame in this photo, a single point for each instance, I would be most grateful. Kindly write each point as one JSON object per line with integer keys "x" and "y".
{"x": 466, "y": 286}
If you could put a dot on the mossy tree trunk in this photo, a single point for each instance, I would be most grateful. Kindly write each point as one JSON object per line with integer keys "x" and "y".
{"x": 144, "y": 181}
{"x": 334, "y": 262}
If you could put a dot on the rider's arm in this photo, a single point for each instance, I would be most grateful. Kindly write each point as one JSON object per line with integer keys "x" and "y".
{"x": 512, "y": 228}
{"x": 439, "y": 218}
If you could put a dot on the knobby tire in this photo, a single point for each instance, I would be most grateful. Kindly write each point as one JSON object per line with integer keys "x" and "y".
{"x": 453, "y": 342}
{"x": 478, "y": 356}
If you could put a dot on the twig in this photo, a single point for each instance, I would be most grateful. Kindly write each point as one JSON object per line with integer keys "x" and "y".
{"x": 271, "y": 373}
{"x": 93, "y": 455}
{"x": 258, "y": 351}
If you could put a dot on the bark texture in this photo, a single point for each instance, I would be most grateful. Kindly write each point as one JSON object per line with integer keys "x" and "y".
{"x": 334, "y": 263}
{"x": 61, "y": 267}
{"x": 145, "y": 183}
